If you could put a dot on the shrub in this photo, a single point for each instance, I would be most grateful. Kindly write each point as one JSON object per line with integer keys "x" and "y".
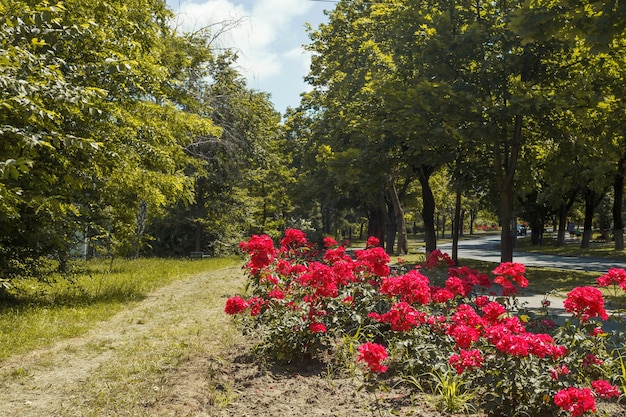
{"x": 433, "y": 320}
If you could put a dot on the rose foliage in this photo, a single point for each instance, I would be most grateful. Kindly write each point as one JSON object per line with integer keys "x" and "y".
{"x": 304, "y": 302}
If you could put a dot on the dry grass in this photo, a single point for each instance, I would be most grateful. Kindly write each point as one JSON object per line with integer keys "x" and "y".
{"x": 133, "y": 363}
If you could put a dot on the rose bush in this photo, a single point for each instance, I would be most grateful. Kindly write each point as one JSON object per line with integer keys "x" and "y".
{"x": 436, "y": 318}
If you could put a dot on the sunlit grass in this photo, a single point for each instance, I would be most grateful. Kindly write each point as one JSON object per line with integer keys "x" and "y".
{"x": 35, "y": 313}
{"x": 572, "y": 248}
{"x": 184, "y": 337}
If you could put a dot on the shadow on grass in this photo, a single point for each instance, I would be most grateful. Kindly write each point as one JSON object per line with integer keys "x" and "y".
{"x": 572, "y": 248}
{"x": 41, "y": 300}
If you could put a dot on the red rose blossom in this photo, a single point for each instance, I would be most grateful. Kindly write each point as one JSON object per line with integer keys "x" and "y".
{"x": 294, "y": 238}
{"x": 604, "y": 389}
{"x": 372, "y": 242}
{"x": 276, "y": 293}
{"x": 261, "y": 251}
{"x": 412, "y": 287}
{"x": 463, "y": 335}
{"x": 584, "y": 303}
{"x": 437, "y": 258}
{"x": 507, "y": 272}
{"x": 558, "y": 371}
{"x": 235, "y": 305}
{"x": 481, "y": 301}
{"x": 373, "y": 354}
{"x": 466, "y": 359}
{"x": 317, "y": 327}
{"x": 256, "y": 303}
{"x": 375, "y": 259}
{"x": 576, "y": 401}
{"x": 329, "y": 242}
{"x": 402, "y": 317}
{"x": 442, "y": 295}
{"x": 590, "y": 359}
{"x": 615, "y": 276}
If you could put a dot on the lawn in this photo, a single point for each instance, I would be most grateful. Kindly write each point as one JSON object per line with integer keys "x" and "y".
{"x": 34, "y": 313}
{"x": 572, "y": 248}
{"x": 148, "y": 337}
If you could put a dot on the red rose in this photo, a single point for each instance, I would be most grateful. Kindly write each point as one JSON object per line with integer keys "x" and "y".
{"x": 373, "y": 354}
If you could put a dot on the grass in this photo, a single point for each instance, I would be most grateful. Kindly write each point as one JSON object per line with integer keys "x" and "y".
{"x": 34, "y": 313}
{"x": 451, "y": 392}
{"x": 572, "y": 248}
{"x": 187, "y": 330}
{"x": 178, "y": 352}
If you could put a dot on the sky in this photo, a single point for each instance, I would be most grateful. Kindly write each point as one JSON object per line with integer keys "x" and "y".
{"x": 268, "y": 38}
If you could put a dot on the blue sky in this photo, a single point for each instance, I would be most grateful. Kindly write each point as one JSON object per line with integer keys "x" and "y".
{"x": 268, "y": 37}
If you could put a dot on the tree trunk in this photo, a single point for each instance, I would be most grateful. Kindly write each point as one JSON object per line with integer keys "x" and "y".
{"x": 197, "y": 237}
{"x": 462, "y": 222}
{"x": 592, "y": 200}
{"x": 199, "y": 212}
{"x": 377, "y": 220}
{"x": 456, "y": 227}
{"x": 536, "y": 234}
{"x": 443, "y": 227}
{"x": 140, "y": 226}
{"x": 402, "y": 247}
{"x": 506, "y": 154}
{"x": 506, "y": 219}
{"x": 560, "y": 237}
{"x": 587, "y": 226}
{"x": 428, "y": 210}
{"x": 390, "y": 229}
{"x": 327, "y": 219}
{"x": 618, "y": 191}
{"x": 568, "y": 202}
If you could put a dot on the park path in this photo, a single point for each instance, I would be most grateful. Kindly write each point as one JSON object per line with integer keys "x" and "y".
{"x": 486, "y": 249}
{"x": 67, "y": 378}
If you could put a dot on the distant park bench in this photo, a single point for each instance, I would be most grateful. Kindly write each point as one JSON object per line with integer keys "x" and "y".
{"x": 199, "y": 255}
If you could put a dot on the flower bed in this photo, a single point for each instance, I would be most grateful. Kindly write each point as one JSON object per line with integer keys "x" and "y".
{"x": 443, "y": 328}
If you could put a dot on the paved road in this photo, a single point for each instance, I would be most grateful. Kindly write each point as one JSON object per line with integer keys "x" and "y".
{"x": 486, "y": 249}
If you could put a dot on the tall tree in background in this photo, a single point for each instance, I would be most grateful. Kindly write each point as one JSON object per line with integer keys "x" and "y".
{"x": 346, "y": 60}
{"x": 421, "y": 61}
{"x": 89, "y": 132}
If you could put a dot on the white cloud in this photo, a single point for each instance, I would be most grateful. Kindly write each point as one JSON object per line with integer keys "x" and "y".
{"x": 268, "y": 39}
{"x": 300, "y": 56}
{"x": 259, "y": 37}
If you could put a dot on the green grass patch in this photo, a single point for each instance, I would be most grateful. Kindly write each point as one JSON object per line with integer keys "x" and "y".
{"x": 34, "y": 314}
{"x": 572, "y": 248}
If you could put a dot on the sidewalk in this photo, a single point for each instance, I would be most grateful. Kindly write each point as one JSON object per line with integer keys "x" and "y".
{"x": 486, "y": 249}
{"x": 556, "y": 309}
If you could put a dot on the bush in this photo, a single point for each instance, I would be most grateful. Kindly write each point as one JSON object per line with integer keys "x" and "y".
{"x": 430, "y": 322}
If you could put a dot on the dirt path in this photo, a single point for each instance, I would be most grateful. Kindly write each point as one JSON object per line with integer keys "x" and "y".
{"x": 65, "y": 379}
{"x": 177, "y": 354}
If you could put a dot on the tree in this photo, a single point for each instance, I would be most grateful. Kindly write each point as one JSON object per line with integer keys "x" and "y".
{"x": 346, "y": 62}
{"x": 599, "y": 25}
{"x": 90, "y": 134}
{"x": 239, "y": 178}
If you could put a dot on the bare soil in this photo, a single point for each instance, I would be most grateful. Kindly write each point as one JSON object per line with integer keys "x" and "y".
{"x": 172, "y": 355}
